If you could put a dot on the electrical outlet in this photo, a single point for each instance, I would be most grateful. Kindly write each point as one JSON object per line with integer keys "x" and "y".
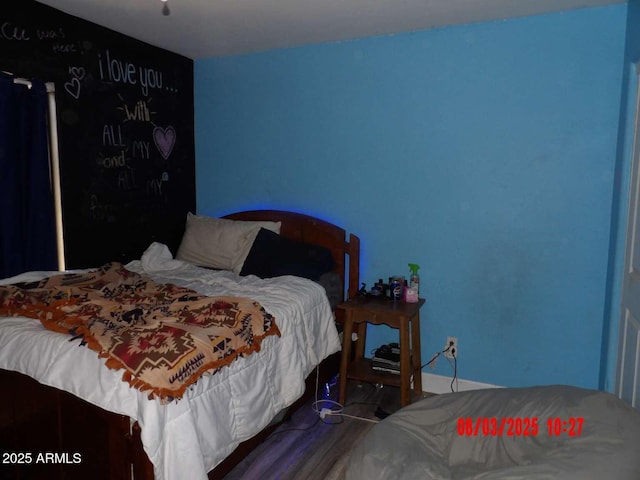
{"x": 452, "y": 342}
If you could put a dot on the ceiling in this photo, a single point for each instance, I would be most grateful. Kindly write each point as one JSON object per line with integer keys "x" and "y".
{"x": 212, "y": 28}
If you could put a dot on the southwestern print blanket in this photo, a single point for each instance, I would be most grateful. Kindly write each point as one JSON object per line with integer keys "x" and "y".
{"x": 163, "y": 336}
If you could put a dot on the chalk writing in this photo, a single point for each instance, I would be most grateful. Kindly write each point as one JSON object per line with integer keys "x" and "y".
{"x": 154, "y": 186}
{"x": 120, "y": 71}
{"x": 140, "y": 149}
{"x": 64, "y": 48}
{"x": 114, "y": 161}
{"x": 10, "y": 32}
{"x": 150, "y": 78}
{"x": 50, "y": 34}
{"x": 112, "y": 91}
{"x": 117, "y": 70}
{"x": 126, "y": 179}
{"x": 139, "y": 112}
{"x": 112, "y": 136}
{"x": 100, "y": 211}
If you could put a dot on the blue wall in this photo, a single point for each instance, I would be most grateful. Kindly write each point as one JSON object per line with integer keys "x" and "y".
{"x": 485, "y": 152}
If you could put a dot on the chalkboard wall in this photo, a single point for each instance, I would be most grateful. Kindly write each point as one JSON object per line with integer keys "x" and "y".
{"x": 125, "y": 129}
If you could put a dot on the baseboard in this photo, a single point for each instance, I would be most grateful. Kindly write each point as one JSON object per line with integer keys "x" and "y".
{"x": 438, "y": 384}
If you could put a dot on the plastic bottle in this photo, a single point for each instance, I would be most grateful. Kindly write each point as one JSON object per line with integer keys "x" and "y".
{"x": 414, "y": 278}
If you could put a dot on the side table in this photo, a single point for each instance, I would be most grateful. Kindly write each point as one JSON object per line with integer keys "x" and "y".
{"x": 356, "y": 313}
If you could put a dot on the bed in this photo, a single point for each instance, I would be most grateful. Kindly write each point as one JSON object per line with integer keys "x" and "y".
{"x": 116, "y": 432}
{"x": 545, "y": 433}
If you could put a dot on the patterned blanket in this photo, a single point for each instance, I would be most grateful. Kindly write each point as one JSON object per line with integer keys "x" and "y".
{"x": 163, "y": 336}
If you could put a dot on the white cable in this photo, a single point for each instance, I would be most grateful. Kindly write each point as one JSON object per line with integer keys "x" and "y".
{"x": 353, "y": 416}
{"x": 337, "y": 409}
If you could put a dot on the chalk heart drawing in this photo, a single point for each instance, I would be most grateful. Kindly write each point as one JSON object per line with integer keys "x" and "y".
{"x": 73, "y": 88}
{"x": 165, "y": 139}
{"x": 77, "y": 72}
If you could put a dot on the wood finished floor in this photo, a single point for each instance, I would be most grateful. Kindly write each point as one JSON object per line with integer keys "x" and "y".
{"x": 307, "y": 448}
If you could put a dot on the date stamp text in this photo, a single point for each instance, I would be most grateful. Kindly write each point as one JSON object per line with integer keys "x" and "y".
{"x": 519, "y": 426}
{"x": 29, "y": 458}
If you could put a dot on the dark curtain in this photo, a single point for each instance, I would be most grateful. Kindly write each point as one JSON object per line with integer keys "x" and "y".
{"x": 27, "y": 225}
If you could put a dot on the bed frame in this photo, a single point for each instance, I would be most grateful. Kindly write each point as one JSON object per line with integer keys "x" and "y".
{"x": 36, "y": 419}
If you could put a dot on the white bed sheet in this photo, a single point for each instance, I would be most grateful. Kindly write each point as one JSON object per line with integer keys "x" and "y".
{"x": 186, "y": 439}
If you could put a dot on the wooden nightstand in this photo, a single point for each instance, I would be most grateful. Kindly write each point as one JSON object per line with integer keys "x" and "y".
{"x": 356, "y": 313}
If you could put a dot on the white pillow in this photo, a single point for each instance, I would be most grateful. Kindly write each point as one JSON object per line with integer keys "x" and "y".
{"x": 219, "y": 242}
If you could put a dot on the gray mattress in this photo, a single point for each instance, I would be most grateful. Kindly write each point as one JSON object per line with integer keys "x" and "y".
{"x": 421, "y": 441}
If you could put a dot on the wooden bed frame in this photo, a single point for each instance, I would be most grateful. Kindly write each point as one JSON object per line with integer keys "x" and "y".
{"x": 38, "y": 419}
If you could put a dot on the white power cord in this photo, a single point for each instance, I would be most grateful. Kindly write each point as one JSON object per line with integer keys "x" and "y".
{"x": 337, "y": 409}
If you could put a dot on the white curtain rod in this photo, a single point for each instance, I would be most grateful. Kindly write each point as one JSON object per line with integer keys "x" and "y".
{"x": 23, "y": 81}
{"x": 55, "y": 165}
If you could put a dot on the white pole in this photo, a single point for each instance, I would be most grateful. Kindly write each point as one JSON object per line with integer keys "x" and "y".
{"x": 55, "y": 167}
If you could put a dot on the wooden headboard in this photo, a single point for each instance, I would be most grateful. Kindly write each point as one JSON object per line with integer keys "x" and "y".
{"x": 308, "y": 229}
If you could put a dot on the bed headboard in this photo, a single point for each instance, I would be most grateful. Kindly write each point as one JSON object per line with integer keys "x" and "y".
{"x": 308, "y": 229}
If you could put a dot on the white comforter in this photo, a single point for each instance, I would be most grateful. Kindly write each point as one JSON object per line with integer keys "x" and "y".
{"x": 185, "y": 439}
{"x": 593, "y": 435}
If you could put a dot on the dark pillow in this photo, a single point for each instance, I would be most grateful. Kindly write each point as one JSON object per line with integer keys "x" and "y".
{"x": 332, "y": 284}
{"x": 272, "y": 256}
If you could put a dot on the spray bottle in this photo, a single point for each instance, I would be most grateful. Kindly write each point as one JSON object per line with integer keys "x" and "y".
{"x": 414, "y": 278}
